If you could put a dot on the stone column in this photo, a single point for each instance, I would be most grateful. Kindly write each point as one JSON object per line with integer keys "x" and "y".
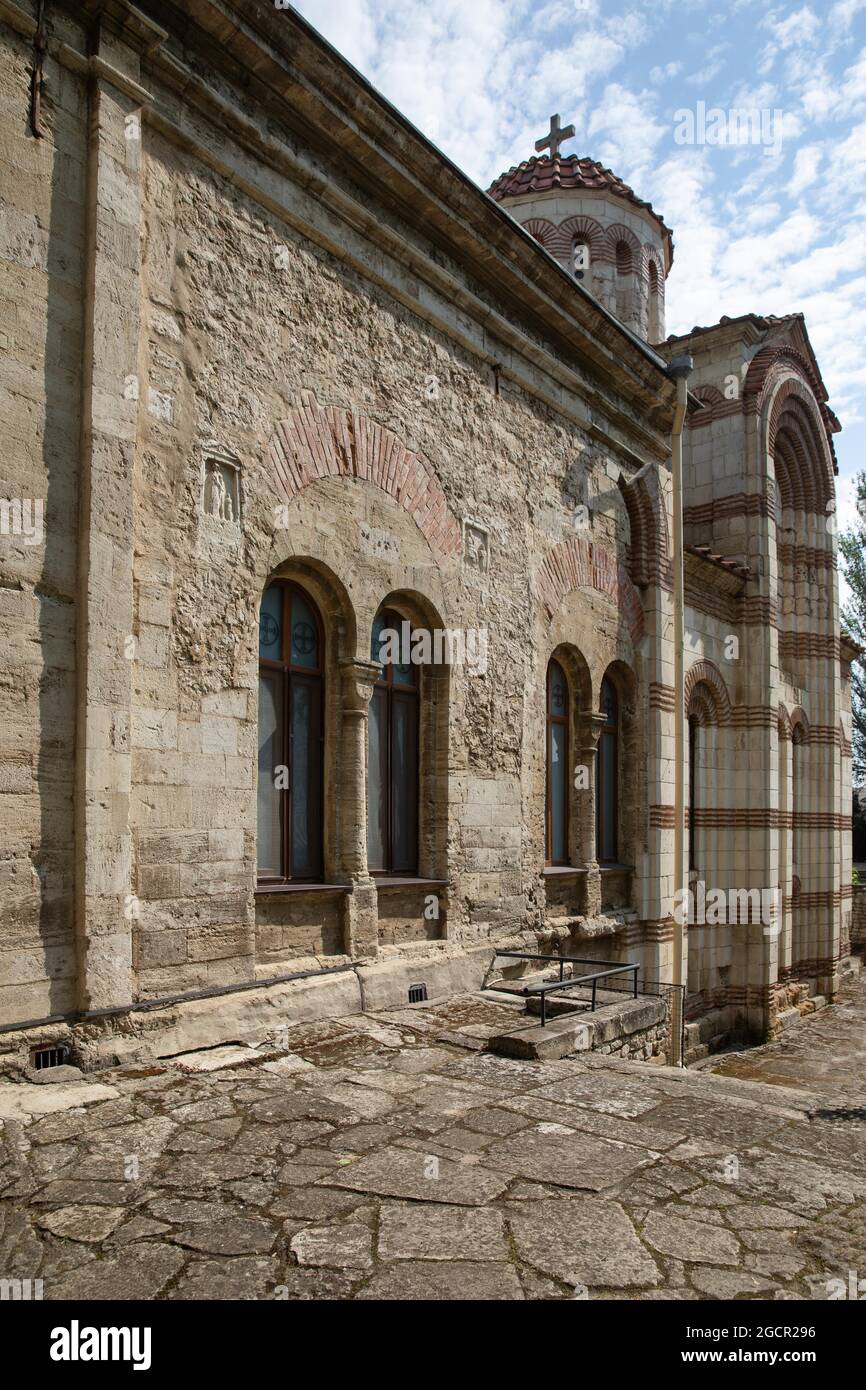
{"x": 588, "y": 847}
{"x": 361, "y": 920}
{"x": 105, "y": 908}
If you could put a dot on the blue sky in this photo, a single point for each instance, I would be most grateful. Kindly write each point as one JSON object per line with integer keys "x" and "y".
{"x": 768, "y": 227}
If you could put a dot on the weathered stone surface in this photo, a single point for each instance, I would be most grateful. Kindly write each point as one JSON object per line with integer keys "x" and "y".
{"x": 576, "y": 1159}
{"x": 582, "y": 1240}
{"x": 397, "y": 1173}
{"x": 410, "y": 1231}
{"x": 87, "y": 1223}
{"x": 234, "y": 1235}
{"x": 347, "y": 1246}
{"x": 140, "y": 1272}
{"x": 694, "y": 1241}
{"x": 241, "y": 1278}
{"x": 21, "y": 1102}
{"x": 440, "y": 1280}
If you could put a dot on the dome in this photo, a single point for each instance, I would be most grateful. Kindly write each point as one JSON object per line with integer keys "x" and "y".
{"x": 544, "y": 175}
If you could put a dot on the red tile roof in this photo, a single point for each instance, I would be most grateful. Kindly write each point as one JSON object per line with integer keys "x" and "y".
{"x": 539, "y": 175}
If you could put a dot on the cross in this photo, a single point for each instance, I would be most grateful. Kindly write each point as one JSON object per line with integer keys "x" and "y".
{"x": 555, "y": 137}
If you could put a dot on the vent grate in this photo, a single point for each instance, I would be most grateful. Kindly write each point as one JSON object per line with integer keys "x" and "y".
{"x": 44, "y": 1057}
{"x": 417, "y": 994}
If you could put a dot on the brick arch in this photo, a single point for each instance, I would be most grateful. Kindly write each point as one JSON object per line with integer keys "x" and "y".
{"x": 315, "y": 442}
{"x": 649, "y": 558}
{"x": 800, "y": 730}
{"x": 544, "y": 233}
{"x": 580, "y": 228}
{"x": 618, "y": 232}
{"x": 650, "y": 255}
{"x": 784, "y": 725}
{"x": 579, "y": 564}
{"x": 795, "y": 439}
{"x": 706, "y": 674}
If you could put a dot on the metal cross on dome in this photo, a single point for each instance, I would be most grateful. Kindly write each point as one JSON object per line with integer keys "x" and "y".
{"x": 555, "y": 137}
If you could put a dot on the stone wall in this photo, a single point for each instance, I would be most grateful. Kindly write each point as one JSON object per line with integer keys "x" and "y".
{"x": 858, "y": 916}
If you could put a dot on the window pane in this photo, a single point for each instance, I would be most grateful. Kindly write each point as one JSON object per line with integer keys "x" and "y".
{"x": 607, "y": 820}
{"x": 404, "y": 782}
{"x": 306, "y": 780}
{"x": 305, "y": 633}
{"x": 377, "y": 780}
{"x": 557, "y": 773}
{"x": 270, "y": 623}
{"x": 270, "y": 758}
{"x": 558, "y": 689}
{"x": 380, "y": 622}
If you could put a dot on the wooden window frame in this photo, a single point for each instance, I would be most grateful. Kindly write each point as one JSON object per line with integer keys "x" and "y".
{"x": 554, "y": 720}
{"x": 397, "y": 692}
{"x": 289, "y": 674}
{"x": 611, "y": 731}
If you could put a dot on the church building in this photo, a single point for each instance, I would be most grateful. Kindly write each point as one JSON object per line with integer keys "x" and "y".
{"x": 337, "y": 568}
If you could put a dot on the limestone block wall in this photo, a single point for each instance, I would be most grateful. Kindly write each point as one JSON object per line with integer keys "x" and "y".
{"x": 42, "y": 232}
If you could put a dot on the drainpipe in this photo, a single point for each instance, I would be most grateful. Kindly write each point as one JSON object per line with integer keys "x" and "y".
{"x": 679, "y": 368}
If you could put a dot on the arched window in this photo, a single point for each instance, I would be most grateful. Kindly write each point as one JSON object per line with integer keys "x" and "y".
{"x": 693, "y": 788}
{"x": 607, "y": 789}
{"x": 291, "y": 732}
{"x": 654, "y": 318}
{"x": 392, "y": 751}
{"x": 623, "y": 258}
{"x": 557, "y": 765}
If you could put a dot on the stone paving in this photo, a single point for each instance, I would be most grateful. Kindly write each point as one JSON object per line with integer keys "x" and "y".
{"x": 389, "y": 1157}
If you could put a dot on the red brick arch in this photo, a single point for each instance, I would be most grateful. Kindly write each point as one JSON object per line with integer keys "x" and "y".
{"x": 706, "y": 674}
{"x": 579, "y": 564}
{"x": 315, "y": 442}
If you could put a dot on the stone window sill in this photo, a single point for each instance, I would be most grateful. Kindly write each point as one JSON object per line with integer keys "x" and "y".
{"x": 561, "y": 871}
{"x": 385, "y": 881}
{"x": 616, "y": 868}
{"x": 268, "y": 890}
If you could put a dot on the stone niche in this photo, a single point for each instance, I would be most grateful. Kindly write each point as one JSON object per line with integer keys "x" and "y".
{"x": 220, "y": 497}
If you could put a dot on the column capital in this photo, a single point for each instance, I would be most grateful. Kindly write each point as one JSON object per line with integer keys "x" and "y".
{"x": 358, "y": 679}
{"x": 591, "y": 733}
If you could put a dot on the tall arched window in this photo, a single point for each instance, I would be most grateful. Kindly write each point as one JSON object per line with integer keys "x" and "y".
{"x": 607, "y": 788}
{"x": 693, "y": 789}
{"x": 392, "y": 751}
{"x": 557, "y": 765}
{"x": 654, "y": 331}
{"x": 291, "y": 732}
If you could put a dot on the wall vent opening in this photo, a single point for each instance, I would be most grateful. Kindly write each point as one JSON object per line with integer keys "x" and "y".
{"x": 417, "y": 994}
{"x": 44, "y": 1057}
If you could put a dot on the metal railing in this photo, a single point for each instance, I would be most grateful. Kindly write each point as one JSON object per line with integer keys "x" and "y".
{"x": 553, "y": 986}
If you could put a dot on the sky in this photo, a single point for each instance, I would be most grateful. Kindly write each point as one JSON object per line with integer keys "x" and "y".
{"x": 771, "y": 224}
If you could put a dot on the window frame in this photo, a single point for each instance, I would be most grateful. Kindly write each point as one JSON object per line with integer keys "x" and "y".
{"x": 288, "y": 674}
{"x": 609, "y": 737}
{"x": 559, "y": 721}
{"x": 397, "y": 693}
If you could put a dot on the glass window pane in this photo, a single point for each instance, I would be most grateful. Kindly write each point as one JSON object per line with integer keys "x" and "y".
{"x": 380, "y": 622}
{"x": 558, "y": 689}
{"x": 607, "y": 821}
{"x": 269, "y": 836}
{"x": 608, "y": 701}
{"x": 306, "y": 780}
{"x": 377, "y": 780}
{"x": 404, "y": 783}
{"x": 557, "y": 774}
{"x": 305, "y": 633}
{"x": 270, "y": 623}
